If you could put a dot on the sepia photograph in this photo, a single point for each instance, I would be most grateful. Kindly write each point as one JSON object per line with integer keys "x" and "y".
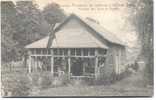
{"x": 77, "y": 48}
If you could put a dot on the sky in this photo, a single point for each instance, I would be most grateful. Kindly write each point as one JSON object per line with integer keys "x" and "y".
{"x": 112, "y": 14}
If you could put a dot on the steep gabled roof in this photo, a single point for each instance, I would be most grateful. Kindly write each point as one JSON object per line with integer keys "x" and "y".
{"x": 109, "y": 36}
{"x": 78, "y": 42}
{"x": 68, "y": 43}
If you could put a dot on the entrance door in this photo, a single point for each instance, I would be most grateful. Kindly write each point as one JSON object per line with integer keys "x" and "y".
{"x": 77, "y": 68}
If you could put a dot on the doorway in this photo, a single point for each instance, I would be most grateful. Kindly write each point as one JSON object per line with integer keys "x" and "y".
{"x": 77, "y": 67}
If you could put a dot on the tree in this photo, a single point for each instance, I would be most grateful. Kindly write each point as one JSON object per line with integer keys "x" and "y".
{"x": 28, "y": 23}
{"x": 141, "y": 16}
{"x": 8, "y": 13}
{"x": 24, "y": 23}
{"x": 53, "y": 14}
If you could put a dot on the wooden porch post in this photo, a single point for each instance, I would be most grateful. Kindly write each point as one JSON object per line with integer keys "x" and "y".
{"x": 35, "y": 61}
{"x": 29, "y": 61}
{"x": 42, "y": 57}
{"x": 52, "y": 61}
{"x": 96, "y": 63}
{"x": 69, "y": 63}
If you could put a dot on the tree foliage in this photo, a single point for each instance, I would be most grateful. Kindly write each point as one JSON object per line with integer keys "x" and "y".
{"x": 53, "y": 13}
{"x": 8, "y": 13}
{"x": 22, "y": 24}
{"x": 141, "y": 16}
{"x": 28, "y": 22}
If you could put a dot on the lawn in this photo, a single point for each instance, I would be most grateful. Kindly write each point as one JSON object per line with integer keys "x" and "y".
{"x": 125, "y": 87}
{"x": 94, "y": 91}
{"x": 19, "y": 84}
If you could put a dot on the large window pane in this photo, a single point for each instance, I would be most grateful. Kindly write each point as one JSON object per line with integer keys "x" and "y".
{"x": 78, "y": 52}
{"x": 102, "y": 51}
{"x": 72, "y": 51}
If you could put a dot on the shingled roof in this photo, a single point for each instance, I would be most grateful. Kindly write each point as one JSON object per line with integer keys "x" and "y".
{"x": 81, "y": 41}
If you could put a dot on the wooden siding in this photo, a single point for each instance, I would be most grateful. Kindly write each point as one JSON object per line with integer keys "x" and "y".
{"x": 118, "y": 54}
{"x": 115, "y": 61}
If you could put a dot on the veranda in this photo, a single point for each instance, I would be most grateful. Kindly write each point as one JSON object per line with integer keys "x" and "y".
{"x": 75, "y": 62}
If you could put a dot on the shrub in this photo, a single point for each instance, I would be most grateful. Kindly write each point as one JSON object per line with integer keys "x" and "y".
{"x": 61, "y": 80}
{"x": 45, "y": 79}
{"x": 107, "y": 80}
{"x": 102, "y": 80}
{"x": 22, "y": 87}
{"x": 40, "y": 79}
{"x": 81, "y": 81}
{"x": 16, "y": 84}
{"x": 34, "y": 79}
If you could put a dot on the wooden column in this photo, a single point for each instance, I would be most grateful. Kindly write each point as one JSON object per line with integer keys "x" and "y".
{"x": 74, "y": 52}
{"x": 83, "y": 69}
{"x": 34, "y": 65}
{"x": 35, "y": 61}
{"x": 82, "y": 53}
{"x": 89, "y": 50}
{"x": 42, "y": 59}
{"x": 69, "y": 63}
{"x": 29, "y": 61}
{"x": 52, "y": 61}
{"x": 96, "y": 63}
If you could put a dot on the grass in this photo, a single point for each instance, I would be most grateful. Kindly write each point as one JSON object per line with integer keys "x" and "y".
{"x": 14, "y": 81}
{"x": 19, "y": 84}
{"x": 133, "y": 85}
{"x": 95, "y": 91}
{"x": 130, "y": 86}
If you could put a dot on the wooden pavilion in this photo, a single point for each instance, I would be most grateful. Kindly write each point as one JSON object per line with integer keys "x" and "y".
{"x": 79, "y": 48}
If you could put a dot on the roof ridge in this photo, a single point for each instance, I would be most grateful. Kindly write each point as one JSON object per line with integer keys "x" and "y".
{"x": 110, "y": 33}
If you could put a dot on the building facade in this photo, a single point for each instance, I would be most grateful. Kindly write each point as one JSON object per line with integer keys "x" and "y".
{"x": 79, "y": 48}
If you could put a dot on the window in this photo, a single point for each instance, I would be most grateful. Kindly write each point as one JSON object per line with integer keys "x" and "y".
{"x": 101, "y": 61}
{"x": 33, "y": 51}
{"x": 78, "y": 52}
{"x": 102, "y": 51}
{"x": 49, "y": 52}
{"x": 60, "y": 51}
{"x": 85, "y": 52}
{"x": 91, "y": 52}
{"x": 45, "y": 51}
{"x": 55, "y": 52}
{"x": 72, "y": 51}
{"x": 65, "y": 51}
{"x": 38, "y": 51}
{"x": 89, "y": 69}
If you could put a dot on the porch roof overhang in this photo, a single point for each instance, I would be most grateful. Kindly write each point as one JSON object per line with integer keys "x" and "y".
{"x": 70, "y": 43}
